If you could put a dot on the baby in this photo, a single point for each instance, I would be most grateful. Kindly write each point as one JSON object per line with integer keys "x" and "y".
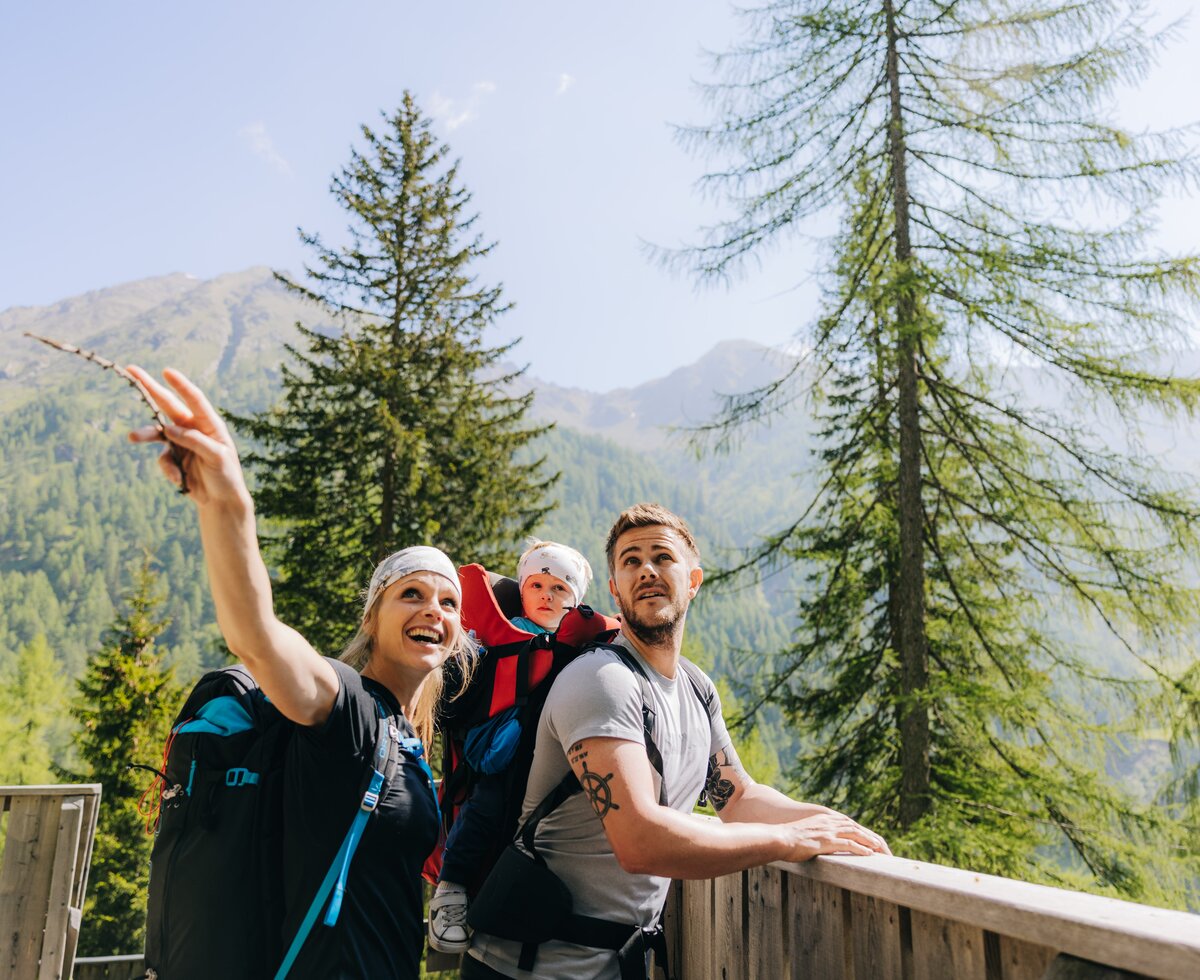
{"x": 552, "y": 579}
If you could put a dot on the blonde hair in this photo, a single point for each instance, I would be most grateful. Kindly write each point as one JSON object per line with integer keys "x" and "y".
{"x": 422, "y": 713}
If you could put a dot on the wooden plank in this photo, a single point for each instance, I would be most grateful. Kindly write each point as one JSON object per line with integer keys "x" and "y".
{"x": 1158, "y": 942}
{"x": 818, "y": 935}
{"x": 1073, "y": 968}
{"x": 729, "y": 934}
{"x": 875, "y": 938}
{"x": 25, "y": 882}
{"x": 66, "y": 789}
{"x": 1022, "y": 961}
{"x": 673, "y": 929}
{"x": 945, "y": 948}
{"x": 62, "y": 880}
{"x": 75, "y": 918}
{"x": 130, "y": 967}
{"x": 90, "y": 796}
{"x": 768, "y": 936}
{"x": 697, "y": 959}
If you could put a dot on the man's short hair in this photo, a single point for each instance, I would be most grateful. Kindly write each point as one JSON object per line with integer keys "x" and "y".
{"x": 648, "y": 515}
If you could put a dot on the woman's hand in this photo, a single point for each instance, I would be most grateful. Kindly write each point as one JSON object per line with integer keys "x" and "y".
{"x": 295, "y": 677}
{"x": 208, "y": 455}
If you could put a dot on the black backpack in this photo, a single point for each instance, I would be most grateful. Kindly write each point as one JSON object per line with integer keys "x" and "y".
{"x": 218, "y": 848}
{"x": 216, "y": 905}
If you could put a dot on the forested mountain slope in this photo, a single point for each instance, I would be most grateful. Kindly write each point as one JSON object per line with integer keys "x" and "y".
{"x": 79, "y": 506}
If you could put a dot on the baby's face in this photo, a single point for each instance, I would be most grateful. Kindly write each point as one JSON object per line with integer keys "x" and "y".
{"x": 545, "y": 599}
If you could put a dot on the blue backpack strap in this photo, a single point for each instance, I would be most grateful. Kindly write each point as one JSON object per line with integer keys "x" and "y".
{"x": 335, "y": 877}
{"x": 415, "y": 748}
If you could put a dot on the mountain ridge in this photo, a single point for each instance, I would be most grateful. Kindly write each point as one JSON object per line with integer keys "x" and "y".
{"x": 221, "y": 329}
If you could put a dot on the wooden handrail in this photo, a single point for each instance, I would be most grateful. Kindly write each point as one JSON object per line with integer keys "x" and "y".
{"x": 851, "y": 918}
{"x": 878, "y": 918}
{"x": 1126, "y": 934}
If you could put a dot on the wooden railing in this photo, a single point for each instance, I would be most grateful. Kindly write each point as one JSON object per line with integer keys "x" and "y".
{"x": 880, "y": 918}
{"x": 876, "y": 918}
{"x": 47, "y": 841}
{"x": 110, "y": 967}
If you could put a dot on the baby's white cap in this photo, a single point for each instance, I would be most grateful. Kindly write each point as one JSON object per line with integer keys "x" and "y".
{"x": 561, "y": 562}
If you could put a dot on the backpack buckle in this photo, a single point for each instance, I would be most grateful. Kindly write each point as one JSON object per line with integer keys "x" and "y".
{"x": 240, "y": 777}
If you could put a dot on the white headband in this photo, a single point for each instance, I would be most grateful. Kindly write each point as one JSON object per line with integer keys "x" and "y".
{"x": 419, "y": 558}
{"x": 561, "y": 562}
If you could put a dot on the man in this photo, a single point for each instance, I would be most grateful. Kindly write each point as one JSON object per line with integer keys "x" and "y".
{"x": 617, "y": 845}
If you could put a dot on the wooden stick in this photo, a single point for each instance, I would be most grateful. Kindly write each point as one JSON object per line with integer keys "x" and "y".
{"x": 120, "y": 372}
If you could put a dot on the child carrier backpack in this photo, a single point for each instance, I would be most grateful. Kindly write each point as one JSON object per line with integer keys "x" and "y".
{"x": 524, "y": 901}
{"x": 516, "y": 895}
{"x": 215, "y": 906}
{"x": 501, "y": 704}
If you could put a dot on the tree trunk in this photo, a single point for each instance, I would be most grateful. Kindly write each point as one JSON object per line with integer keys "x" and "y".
{"x": 909, "y": 626}
{"x": 386, "y": 531}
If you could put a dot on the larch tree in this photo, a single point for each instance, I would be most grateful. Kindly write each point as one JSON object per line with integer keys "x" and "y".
{"x": 991, "y": 334}
{"x": 34, "y": 725}
{"x": 401, "y": 426}
{"x": 127, "y": 700}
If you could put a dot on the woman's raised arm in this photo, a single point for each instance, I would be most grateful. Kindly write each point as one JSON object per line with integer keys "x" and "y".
{"x": 296, "y": 678}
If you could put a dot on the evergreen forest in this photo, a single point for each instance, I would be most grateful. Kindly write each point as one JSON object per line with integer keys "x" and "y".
{"x": 951, "y": 549}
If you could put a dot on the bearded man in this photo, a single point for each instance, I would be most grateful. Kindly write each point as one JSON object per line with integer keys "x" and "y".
{"x": 617, "y": 845}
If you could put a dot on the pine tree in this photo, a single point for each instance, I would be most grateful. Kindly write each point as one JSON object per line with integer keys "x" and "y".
{"x": 34, "y": 726}
{"x": 399, "y": 428}
{"x": 127, "y": 699}
{"x": 971, "y": 540}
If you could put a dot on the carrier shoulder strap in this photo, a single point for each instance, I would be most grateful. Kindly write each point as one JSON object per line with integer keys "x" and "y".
{"x": 335, "y": 878}
{"x": 569, "y": 785}
{"x": 701, "y": 686}
{"x": 629, "y": 942}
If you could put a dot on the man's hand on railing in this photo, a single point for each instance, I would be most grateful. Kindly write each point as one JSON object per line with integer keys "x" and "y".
{"x": 831, "y": 833}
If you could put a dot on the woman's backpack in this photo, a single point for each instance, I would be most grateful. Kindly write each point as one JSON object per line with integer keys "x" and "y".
{"x": 217, "y": 858}
{"x": 216, "y": 903}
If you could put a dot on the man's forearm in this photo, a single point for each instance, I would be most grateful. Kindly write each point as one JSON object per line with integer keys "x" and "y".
{"x": 684, "y": 845}
{"x": 763, "y": 804}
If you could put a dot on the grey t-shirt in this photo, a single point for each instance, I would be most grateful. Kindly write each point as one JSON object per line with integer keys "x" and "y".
{"x": 598, "y": 696}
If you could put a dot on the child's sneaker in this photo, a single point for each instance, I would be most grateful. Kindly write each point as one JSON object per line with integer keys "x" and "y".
{"x": 448, "y": 932}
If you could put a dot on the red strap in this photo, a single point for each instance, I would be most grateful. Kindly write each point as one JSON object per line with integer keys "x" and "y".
{"x": 481, "y": 612}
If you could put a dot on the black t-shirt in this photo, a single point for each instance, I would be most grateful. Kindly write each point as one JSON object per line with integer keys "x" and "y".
{"x": 379, "y": 933}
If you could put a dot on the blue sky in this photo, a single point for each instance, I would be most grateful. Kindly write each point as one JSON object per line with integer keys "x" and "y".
{"x": 146, "y": 138}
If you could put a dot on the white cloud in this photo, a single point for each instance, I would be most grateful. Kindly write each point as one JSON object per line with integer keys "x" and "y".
{"x": 261, "y": 145}
{"x": 565, "y": 81}
{"x": 453, "y": 113}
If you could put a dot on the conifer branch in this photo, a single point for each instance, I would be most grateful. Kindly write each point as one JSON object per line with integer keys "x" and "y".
{"x": 107, "y": 365}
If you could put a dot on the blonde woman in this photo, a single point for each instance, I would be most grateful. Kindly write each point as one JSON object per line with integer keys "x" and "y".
{"x": 392, "y": 668}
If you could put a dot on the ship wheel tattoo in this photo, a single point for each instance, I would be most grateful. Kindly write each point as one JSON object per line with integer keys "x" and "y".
{"x": 598, "y": 791}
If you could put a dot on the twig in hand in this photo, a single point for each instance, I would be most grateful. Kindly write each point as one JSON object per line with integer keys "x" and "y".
{"x": 117, "y": 369}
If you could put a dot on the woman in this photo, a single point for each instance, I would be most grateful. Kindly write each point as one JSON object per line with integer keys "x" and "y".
{"x": 391, "y": 672}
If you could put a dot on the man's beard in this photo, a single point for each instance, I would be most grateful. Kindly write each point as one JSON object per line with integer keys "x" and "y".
{"x": 656, "y": 634}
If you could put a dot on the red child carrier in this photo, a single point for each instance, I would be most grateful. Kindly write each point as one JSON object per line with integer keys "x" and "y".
{"x": 509, "y": 685}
